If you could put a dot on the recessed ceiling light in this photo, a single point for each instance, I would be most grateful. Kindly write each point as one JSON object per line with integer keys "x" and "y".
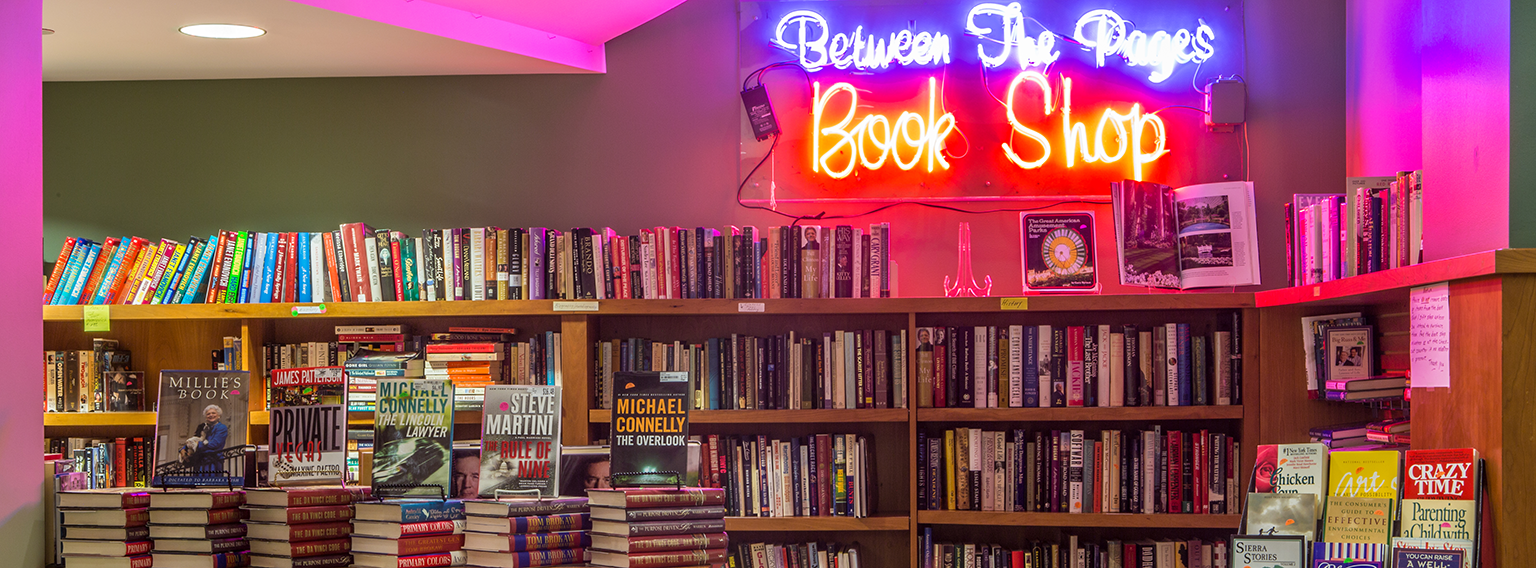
{"x": 222, "y": 31}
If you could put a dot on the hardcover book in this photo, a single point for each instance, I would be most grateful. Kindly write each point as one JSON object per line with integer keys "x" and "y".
{"x": 1358, "y": 520}
{"x": 413, "y": 436}
{"x": 649, "y": 425}
{"x": 200, "y": 425}
{"x": 520, "y": 440}
{"x": 1059, "y": 252}
{"x": 308, "y": 426}
{"x": 1282, "y": 514}
{"x": 1190, "y": 237}
{"x": 1364, "y": 474}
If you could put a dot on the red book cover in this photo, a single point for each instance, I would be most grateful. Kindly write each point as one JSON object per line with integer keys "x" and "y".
{"x": 145, "y": 561}
{"x": 320, "y": 547}
{"x": 226, "y": 268}
{"x": 357, "y": 261}
{"x": 120, "y": 463}
{"x": 676, "y": 558}
{"x": 291, "y": 278}
{"x": 300, "y": 515}
{"x": 167, "y": 250}
{"x": 302, "y": 497}
{"x": 320, "y": 531}
{"x": 626, "y": 283}
{"x": 137, "y": 548}
{"x": 461, "y": 348}
{"x": 108, "y": 248}
{"x": 394, "y": 257}
{"x": 59, "y": 266}
{"x": 431, "y": 560}
{"x": 1175, "y": 472}
{"x": 412, "y": 546}
{"x": 1448, "y": 474}
{"x": 431, "y": 527}
{"x": 328, "y": 242}
{"x": 115, "y": 288}
{"x": 280, "y": 267}
{"x": 1075, "y": 365}
{"x": 462, "y": 329}
{"x": 222, "y": 516}
{"x": 651, "y": 498}
{"x": 940, "y": 392}
{"x": 642, "y": 544}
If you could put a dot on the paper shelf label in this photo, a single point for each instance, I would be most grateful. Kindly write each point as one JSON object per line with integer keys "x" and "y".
{"x": 751, "y": 307}
{"x": 1015, "y": 303}
{"x": 314, "y": 310}
{"x": 98, "y": 318}
{"x": 575, "y": 306}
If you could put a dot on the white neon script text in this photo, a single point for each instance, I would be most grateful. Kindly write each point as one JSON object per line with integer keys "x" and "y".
{"x": 1128, "y": 130}
{"x": 810, "y": 38}
{"x": 1032, "y": 51}
{"x": 875, "y": 138}
{"x": 1161, "y": 51}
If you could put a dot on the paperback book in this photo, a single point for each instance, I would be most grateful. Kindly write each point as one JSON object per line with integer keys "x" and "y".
{"x": 413, "y": 437}
{"x": 308, "y": 426}
{"x": 650, "y": 425}
{"x": 200, "y": 428}
{"x": 520, "y": 440}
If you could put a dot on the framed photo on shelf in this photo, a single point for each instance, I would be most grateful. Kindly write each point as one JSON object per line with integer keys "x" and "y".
{"x": 1349, "y": 352}
{"x": 1268, "y": 551}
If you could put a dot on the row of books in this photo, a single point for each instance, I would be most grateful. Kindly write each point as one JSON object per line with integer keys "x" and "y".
{"x": 229, "y": 357}
{"x": 1073, "y": 552}
{"x": 839, "y": 369}
{"x": 308, "y": 527}
{"x": 1376, "y": 224}
{"x": 98, "y": 379}
{"x": 801, "y": 554}
{"x": 1064, "y": 471}
{"x": 1079, "y": 366}
{"x": 362, "y": 264}
{"x": 821, "y": 475}
{"x": 107, "y": 462}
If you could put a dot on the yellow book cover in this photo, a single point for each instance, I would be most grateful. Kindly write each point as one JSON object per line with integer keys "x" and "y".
{"x": 949, "y": 469}
{"x": 1364, "y": 474}
{"x": 962, "y": 468}
{"x": 1358, "y": 520}
{"x": 1439, "y": 518}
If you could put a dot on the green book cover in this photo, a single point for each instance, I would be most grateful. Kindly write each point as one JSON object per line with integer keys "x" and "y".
{"x": 413, "y": 436}
{"x": 237, "y": 264}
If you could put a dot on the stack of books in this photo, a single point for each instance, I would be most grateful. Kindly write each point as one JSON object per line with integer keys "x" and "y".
{"x": 1381, "y": 387}
{"x": 1391, "y": 434}
{"x": 359, "y": 263}
{"x": 104, "y": 528}
{"x": 301, "y": 526}
{"x": 470, "y": 358}
{"x": 512, "y": 534}
{"x": 420, "y": 545}
{"x": 1341, "y": 436}
{"x": 366, "y": 367}
{"x": 198, "y": 528}
{"x": 658, "y": 527}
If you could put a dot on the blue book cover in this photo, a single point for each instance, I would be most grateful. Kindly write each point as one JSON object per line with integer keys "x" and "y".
{"x": 1350, "y": 555}
{"x": 269, "y": 262}
{"x": 82, "y": 274}
{"x": 302, "y": 281}
{"x": 1417, "y": 558}
{"x": 61, "y": 294}
{"x": 195, "y": 286}
{"x": 712, "y": 358}
{"x": 1185, "y": 382}
{"x": 412, "y": 510}
{"x": 113, "y": 267}
{"x": 194, "y": 251}
{"x": 1031, "y": 368}
{"x": 173, "y": 274}
{"x": 246, "y": 272}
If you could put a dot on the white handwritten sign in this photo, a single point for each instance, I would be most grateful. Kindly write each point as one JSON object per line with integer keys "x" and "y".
{"x": 1429, "y": 331}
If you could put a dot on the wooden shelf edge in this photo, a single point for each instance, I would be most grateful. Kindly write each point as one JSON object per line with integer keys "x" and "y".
{"x": 1104, "y": 520}
{"x": 816, "y": 416}
{"x": 1487, "y": 263}
{"x": 805, "y": 524}
{"x": 1117, "y": 414}
{"x": 787, "y": 306}
{"x": 98, "y": 419}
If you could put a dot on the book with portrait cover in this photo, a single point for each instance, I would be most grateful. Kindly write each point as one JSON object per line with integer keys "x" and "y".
{"x": 520, "y": 440}
{"x": 650, "y": 425}
{"x": 413, "y": 437}
{"x": 200, "y": 428}
{"x": 308, "y": 426}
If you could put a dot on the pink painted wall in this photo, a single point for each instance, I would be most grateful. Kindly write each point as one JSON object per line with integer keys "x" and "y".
{"x": 1466, "y": 80}
{"x": 21, "y": 317}
{"x": 1383, "y": 94}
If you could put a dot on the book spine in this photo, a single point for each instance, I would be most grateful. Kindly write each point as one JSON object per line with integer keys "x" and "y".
{"x": 71, "y": 266}
{"x": 110, "y": 250}
{"x": 60, "y": 266}
{"x": 118, "y": 275}
{"x": 81, "y": 273}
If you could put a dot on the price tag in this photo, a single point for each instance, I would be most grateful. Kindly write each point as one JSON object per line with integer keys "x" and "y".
{"x": 751, "y": 307}
{"x": 314, "y": 310}
{"x": 98, "y": 318}
{"x": 575, "y": 306}
{"x": 1015, "y": 303}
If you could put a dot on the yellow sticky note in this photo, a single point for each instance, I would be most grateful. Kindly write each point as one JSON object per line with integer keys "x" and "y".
{"x": 98, "y": 318}
{"x": 1015, "y": 303}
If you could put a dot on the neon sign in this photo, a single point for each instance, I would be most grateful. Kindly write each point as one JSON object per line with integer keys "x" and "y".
{"x": 812, "y": 41}
{"x": 1129, "y": 130}
{"x": 925, "y": 137}
{"x": 1112, "y": 36}
{"x": 1032, "y": 51}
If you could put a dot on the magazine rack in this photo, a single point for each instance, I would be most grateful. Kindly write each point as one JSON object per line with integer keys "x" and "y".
{"x": 636, "y": 478}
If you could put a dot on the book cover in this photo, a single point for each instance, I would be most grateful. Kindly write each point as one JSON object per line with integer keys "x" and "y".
{"x": 1466, "y": 548}
{"x": 1439, "y": 519}
{"x": 1292, "y": 468}
{"x": 1364, "y": 474}
{"x": 650, "y": 423}
{"x": 1252, "y": 551}
{"x": 1282, "y": 514}
{"x": 1357, "y": 520}
{"x": 413, "y": 435}
{"x": 200, "y": 427}
{"x": 1058, "y": 252}
{"x": 1348, "y": 555}
{"x": 1441, "y": 474}
{"x": 520, "y": 440}
{"x": 308, "y": 426}
{"x": 1423, "y": 558}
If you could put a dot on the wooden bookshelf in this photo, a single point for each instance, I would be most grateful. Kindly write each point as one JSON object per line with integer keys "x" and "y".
{"x": 817, "y": 524}
{"x": 1082, "y": 520}
{"x": 1113, "y": 414}
{"x": 817, "y": 416}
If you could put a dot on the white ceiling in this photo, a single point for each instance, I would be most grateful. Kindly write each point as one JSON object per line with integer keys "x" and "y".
{"x": 106, "y": 40}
